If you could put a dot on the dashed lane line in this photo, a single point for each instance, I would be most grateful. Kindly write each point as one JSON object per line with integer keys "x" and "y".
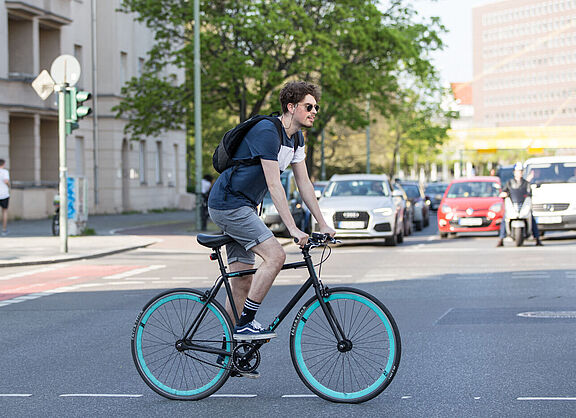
{"x": 134, "y": 272}
{"x": 99, "y": 395}
{"x": 546, "y": 398}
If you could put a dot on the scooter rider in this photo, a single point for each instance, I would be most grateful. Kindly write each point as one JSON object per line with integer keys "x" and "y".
{"x": 517, "y": 182}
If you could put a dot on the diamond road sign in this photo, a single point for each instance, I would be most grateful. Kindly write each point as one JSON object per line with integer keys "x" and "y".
{"x": 43, "y": 85}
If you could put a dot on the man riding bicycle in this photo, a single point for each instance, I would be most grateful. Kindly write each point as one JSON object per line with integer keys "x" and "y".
{"x": 240, "y": 189}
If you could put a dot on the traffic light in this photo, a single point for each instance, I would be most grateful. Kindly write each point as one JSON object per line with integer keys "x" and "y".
{"x": 74, "y": 107}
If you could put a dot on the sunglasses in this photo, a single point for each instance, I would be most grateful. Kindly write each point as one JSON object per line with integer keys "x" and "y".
{"x": 309, "y": 107}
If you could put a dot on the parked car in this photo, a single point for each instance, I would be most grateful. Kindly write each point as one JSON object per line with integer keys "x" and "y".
{"x": 435, "y": 191}
{"x": 471, "y": 204}
{"x": 299, "y": 212}
{"x": 418, "y": 201}
{"x": 553, "y": 191}
{"x": 405, "y": 205}
{"x": 362, "y": 206}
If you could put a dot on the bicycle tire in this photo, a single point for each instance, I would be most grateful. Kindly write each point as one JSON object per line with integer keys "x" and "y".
{"x": 359, "y": 374}
{"x": 182, "y": 375}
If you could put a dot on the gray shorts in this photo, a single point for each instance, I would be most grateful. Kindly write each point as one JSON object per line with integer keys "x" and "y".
{"x": 247, "y": 229}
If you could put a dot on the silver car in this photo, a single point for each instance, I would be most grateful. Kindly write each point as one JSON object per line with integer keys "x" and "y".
{"x": 362, "y": 206}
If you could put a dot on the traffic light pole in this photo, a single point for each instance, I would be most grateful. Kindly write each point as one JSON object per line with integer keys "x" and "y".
{"x": 63, "y": 168}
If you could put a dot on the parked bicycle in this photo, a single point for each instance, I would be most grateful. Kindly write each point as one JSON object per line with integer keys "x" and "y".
{"x": 344, "y": 343}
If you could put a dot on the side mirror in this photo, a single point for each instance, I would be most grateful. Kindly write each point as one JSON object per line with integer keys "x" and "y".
{"x": 318, "y": 194}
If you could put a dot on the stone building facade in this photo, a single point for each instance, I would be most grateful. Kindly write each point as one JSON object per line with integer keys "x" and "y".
{"x": 120, "y": 174}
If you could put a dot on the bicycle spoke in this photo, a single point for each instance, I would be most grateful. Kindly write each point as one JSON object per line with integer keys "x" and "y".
{"x": 352, "y": 373}
{"x": 177, "y": 374}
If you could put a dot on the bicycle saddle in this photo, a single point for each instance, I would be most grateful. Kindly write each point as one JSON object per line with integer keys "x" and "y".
{"x": 213, "y": 241}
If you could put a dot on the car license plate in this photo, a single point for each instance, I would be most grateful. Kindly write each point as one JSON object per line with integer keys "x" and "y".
{"x": 470, "y": 221}
{"x": 351, "y": 225}
{"x": 549, "y": 219}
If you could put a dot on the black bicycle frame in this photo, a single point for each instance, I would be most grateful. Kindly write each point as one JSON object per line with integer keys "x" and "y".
{"x": 311, "y": 282}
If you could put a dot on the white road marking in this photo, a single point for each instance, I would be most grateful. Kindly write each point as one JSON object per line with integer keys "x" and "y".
{"x": 406, "y": 397}
{"x": 134, "y": 272}
{"x": 125, "y": 282}
{"x": 98, "y": 395}
{"x": 546, "y": 398}
{"x": 15, "y": 395}
{"x": 27, "y": 273}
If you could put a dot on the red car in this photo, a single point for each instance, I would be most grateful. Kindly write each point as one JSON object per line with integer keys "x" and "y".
{"x": 471, "y": 205}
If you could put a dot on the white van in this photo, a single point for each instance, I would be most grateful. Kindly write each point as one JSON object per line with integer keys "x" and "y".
{"x": 553, "y": 182}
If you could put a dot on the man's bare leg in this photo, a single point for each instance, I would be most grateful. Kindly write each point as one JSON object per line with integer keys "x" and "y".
{"x": 240, "y": 288}
{"x": 273, "y": 258}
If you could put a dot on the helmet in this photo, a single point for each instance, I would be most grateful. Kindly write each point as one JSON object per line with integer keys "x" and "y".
{"x": 518, "y": 166}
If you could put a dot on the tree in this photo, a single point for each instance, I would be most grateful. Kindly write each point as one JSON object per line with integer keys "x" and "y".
{"x": 351, "y": 48}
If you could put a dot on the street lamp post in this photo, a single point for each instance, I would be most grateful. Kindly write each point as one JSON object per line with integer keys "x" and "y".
{"x": 197, "y": 114}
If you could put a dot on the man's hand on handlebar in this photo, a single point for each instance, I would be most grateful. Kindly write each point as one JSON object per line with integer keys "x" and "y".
{"x": 300, "y": 237}
{"x": 327, "y": 230}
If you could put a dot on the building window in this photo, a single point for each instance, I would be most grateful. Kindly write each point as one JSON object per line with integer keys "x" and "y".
{"x": 123, "y": 68}
{"x": 20, "y": 48}
{"x": 79, "y": 156}
{"x": 142, "y": 162}
{"x": 79, "y": 56}
{"x": 140, "y": 66}
{"x": 158, "y": 165}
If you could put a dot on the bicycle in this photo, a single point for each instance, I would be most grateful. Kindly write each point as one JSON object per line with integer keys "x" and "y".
{"x": 344, "y": 343}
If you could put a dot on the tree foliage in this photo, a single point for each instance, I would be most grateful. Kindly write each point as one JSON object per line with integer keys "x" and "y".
{"x": 353, "y": 49}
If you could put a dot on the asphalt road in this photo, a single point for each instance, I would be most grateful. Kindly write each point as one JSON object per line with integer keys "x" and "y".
{"x": 485, "y": 332}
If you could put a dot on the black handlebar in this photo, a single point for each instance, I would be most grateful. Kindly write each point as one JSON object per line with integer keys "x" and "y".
{"x": 316, "y": 239}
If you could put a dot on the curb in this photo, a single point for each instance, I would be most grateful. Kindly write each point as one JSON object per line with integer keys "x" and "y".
{"x": 77, "y": 257}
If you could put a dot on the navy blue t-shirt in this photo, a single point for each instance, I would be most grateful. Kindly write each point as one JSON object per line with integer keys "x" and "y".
{"x": 245, "y": 185}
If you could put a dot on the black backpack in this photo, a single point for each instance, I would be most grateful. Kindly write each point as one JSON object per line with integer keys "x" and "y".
{"x": 222, "y": 157}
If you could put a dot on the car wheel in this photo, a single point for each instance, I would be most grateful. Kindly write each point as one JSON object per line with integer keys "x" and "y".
{"x": 418, "y": 225}
{"x": 400, "y": 236}
{"x": 443, "y": 235}
{"x": 391, "y": 241}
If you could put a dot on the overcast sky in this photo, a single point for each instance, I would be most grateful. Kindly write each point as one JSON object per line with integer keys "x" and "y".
{"x": 455, "y": 62}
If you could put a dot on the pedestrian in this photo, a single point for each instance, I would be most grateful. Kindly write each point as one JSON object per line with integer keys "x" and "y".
{"x": 206, "y": 186}
{"x": 241, "y": 188}
{"x": 4, "y": 195}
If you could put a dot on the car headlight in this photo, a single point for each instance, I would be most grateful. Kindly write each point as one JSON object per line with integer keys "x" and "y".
{"x": 446, "y": 209}
{"x": 496, "y": 207}
{"x": 383, "y": 211}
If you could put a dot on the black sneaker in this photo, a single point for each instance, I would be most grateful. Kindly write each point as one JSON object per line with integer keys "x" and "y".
{"x": 252, "y": 331}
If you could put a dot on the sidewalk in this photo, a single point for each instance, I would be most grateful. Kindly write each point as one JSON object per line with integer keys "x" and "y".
{"x": 30, "y": 242}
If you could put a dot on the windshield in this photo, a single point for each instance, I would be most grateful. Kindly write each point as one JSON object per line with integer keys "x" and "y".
{"x": 357, "y": 188}
{"x": 412, "y": 191}
{"x": 435, "y": 189}
{"x": 552, "y": 173}
{"x": 473, "y": 189}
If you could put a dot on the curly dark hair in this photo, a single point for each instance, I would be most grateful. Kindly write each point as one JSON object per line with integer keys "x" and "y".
{"x": 295, "y": 91}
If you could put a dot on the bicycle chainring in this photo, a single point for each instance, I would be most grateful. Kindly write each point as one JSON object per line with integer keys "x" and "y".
{"x": 245, "y": 364}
